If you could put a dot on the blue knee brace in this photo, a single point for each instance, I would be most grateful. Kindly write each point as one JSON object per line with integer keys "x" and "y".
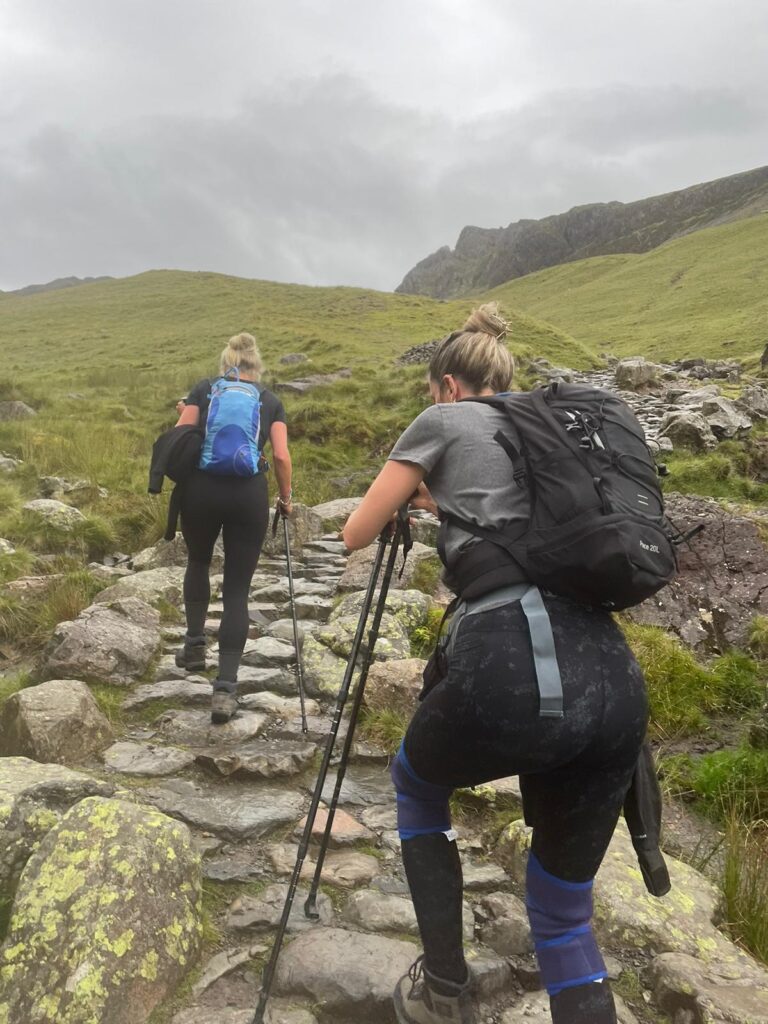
{"x": 421, "y": 806}
{"x": 560, "y": 914}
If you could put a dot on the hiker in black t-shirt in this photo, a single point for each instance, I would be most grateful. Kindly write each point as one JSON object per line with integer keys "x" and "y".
{"x": 485, "y": 717}
{"x": 238, "y": 508}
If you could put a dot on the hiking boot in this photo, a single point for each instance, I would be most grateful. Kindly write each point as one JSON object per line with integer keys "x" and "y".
{"x": 420, "y": 998}
{"x": 192, "y": 655}
{"x": 223, "y": 706}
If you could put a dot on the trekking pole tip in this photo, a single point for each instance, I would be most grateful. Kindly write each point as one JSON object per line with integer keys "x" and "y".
{"x": 310, "y": 907}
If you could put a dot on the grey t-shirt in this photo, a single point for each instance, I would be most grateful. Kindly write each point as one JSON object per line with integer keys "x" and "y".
{"x": 467, "y": 472}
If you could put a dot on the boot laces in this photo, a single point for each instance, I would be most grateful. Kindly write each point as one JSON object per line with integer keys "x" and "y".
{"x": 416, "y": 973}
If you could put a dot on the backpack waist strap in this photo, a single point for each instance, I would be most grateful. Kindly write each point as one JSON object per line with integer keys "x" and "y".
{"x": 542, "y": 640}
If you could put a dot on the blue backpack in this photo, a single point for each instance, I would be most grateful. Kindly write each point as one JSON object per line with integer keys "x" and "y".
{"x": 231, "y": 444}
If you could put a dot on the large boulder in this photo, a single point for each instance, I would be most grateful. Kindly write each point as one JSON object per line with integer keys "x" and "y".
{"x": 689, "y": 990}
{"x": 635, "y": 373}
{"x": 721, "y": 584}
{"x": 304, "y": 525}
{"x": 112, "y": 643}
{"x": 323, "y": 670}
{"x": 365, "y": 970}
{"x": 360, "y": 564}
{"x": 56, "y": 721}
{"x": 395, "y": 686}
{"x": 33, "y": 798}
{"x": 724, "y": 418}
{"x": 754, "y": 402}
{"x": 335, "y": 513}
{"x": 626, "y": 916}
{"x": 173, "y": 552}
{"x": 687, "y": 428}
{"x": 151, "y": 586}
{"x": 409, "y": 607}
{"x": 338, "y": 636}
{"x": 15, "y": 411}
{"x": 106, "y": 920}
{"x": 54, "y": 514}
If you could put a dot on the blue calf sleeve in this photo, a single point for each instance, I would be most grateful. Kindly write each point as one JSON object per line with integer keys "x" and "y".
{"x": 560, "y": 914}
{"x": 421, "y": 806}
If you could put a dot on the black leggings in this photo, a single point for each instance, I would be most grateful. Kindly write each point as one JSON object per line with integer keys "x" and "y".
{"x": 238, "y": 508}
{"x": 482, "y": 723}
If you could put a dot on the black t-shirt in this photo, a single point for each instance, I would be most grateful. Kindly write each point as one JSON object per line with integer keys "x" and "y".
{"x": 272, "y": 410}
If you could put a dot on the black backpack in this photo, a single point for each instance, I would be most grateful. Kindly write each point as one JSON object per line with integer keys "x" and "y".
{"x": 597, "y": 531}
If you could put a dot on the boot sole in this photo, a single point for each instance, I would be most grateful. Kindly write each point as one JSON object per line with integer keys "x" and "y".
{"x": 221, "y": 717}
{"x": 190, "y": 666}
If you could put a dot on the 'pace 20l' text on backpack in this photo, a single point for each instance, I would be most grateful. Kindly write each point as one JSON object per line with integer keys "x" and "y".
{"x": 231, "y": 444}
{"x": 597, "y": 531}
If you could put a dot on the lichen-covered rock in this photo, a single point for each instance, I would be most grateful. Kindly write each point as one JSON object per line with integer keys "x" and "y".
{"x": 627, "y": 916}
{"x": 323, "y": 670}
{"x": 409, "y": 607}
{"x": 112, "y": 643}
{"x": 33, "y": 797}
{"x": 55, "y": 514}
{"x": 395, "y": 686}
{"x": 56, "y": 721}
{"x": 688, "y": 989}
{"x": 304, "y": 525}
{"x": 365, "y": 969}
{"x": 150, "y": 586}
{"x": 391, "y": 640}
{"x": 106, "y": 920}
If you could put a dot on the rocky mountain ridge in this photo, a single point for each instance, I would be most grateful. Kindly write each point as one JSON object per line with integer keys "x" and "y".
{"x": 487, "y": 257}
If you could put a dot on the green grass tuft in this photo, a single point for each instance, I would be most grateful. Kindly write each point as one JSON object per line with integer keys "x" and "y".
{"x": 28, "y": 620}
{"x": 423, "y": 638}
{"x": 682, "y": 691}
{"x": 745, "y": 884}
{"x": 758, "y": 636}
{"x": 13, "y": 683}
{"x": 384, "y": 728}
{"x": 725, "y": 783}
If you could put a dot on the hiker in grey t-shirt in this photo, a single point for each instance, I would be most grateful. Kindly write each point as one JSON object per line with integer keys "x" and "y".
{"x": 486, "y": 716}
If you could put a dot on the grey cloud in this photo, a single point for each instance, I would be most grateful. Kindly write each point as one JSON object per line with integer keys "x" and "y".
{"x": 323, "y": 181}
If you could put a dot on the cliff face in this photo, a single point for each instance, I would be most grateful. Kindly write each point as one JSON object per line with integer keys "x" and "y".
{"x": 486, "y": 257}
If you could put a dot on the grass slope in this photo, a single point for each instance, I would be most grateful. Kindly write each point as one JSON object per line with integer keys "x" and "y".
{"x": 104, "y": 363}
{"x": 702, "y": 295}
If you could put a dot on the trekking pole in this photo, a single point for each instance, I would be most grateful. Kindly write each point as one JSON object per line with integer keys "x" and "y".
{"x": 299, "y": 670}
{"x": 269, "y": 970}
{"x": 401, "y": 532}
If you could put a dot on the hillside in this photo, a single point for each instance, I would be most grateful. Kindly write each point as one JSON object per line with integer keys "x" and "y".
{"x": 702, "y": 295}
{"x": 56, "y": 285}
{"x": 487, "y": 257}
{"x": 103, "y": 366}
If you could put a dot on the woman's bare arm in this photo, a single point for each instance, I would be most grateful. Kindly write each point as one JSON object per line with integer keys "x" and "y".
{"x": 394, "y": 485}
{"x": 281, "y": 459}
{"x": 190, "y": 416}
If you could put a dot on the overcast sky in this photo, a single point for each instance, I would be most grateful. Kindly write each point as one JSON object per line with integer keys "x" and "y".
{"x": 340, "y": 141}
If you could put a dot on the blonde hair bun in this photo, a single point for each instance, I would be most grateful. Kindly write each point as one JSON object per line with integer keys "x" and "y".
{"x": 486, "y": 319}
{"x": 243, "y": 355}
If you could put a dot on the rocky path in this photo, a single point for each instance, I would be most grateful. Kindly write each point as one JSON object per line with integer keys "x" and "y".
{"x": 243, "y": 789}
